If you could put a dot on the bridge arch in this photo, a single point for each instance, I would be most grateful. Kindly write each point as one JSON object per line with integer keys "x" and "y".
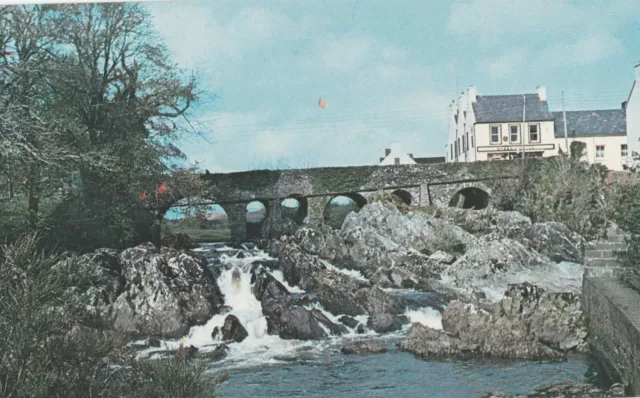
{"x": 471, "y": 198}
{"x": 295, "y": 207}
{"x": 404, "y": 196}
{"x": 197, "y": 217}
{"x": 257, "y": 212}
{"x": 340, "y": 206}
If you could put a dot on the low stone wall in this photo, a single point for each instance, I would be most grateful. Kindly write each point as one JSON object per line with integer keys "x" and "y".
{"x": 613, "y": 323}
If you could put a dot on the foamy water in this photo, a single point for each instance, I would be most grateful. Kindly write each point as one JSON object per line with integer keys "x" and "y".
{"x": 260, "y": 347}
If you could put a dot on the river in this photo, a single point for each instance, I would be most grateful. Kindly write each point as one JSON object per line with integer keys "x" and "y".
{"x": 267, "y": 366}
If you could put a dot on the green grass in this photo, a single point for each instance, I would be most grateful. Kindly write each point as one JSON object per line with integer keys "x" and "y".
{"x": 200, "y": 235}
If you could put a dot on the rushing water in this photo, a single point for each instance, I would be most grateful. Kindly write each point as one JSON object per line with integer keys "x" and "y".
{"x": 268, "y": 366}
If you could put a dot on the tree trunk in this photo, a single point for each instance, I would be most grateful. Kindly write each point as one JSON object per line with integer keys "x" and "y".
{"x": 156, "y": 231}
{"x": 33, "y": 206}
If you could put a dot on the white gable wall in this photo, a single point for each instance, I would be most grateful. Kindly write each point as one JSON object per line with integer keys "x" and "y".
{"x": 397, "y": 152}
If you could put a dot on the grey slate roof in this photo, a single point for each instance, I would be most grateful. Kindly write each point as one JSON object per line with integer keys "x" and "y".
{"x": 508, "y": 108}
{"x": 611, "y": 122}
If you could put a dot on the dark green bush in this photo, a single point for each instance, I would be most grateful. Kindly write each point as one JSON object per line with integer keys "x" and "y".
{"x": 564, "y": 190}
{"x": 626, "y": 204}
{"x": 46, "y": 352}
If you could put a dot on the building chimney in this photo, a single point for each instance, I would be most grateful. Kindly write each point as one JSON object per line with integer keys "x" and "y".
{"x": 471, "y": 91}
{"x": 411, "y": 155}
{"x": 387, "y": 151}
{"x": 624, "y": 104}
{"x": 542, "y": 92}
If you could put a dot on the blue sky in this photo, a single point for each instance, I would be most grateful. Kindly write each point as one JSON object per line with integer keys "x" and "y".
{"x": 387, "y": 70}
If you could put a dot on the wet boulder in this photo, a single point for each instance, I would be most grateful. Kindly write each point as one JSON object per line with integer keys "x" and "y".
{"x": 349, "y": 321}
{"x": 284, "y": 318}
{"x": 363, "y": 347}
{"x": 385, "y": 323}
{"x": 232, "y": 330}
{"x": 335, "y": 329}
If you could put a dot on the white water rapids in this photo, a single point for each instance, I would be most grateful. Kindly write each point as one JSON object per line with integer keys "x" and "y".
{"x": 260, "y": 347}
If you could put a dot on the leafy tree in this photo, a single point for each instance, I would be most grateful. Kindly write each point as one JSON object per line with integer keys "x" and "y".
{"x": 93, "y": 94}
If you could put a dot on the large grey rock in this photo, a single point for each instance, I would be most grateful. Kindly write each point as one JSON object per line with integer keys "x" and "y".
{"x": 528, "y": 323}
{"x": 556, "y": 240}
{"x": 151, "y": 293}
{"x": 363, "y": 347}
{"x": 380, "y": 227}
{"x": 385, "y": 323}
{"x": 512, "y": 224}
{"x": 284, "y": 318}
{"x": 567, "y": 390}
{"x": 337, "y": 292}
{"x": 492, "y": 264}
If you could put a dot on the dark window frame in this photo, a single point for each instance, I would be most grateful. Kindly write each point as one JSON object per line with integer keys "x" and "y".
{"x": 497, "y": 141}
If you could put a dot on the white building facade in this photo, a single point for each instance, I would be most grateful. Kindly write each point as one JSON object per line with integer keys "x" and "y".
{"x": 632, "y": 111}
{"x": 495, "y": 127}
{"x": 603, "y": 131}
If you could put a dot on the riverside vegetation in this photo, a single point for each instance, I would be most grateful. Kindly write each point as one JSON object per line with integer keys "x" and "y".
{"x": 80, "y": 141}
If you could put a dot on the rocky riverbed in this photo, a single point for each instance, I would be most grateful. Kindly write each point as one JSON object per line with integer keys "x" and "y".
{"x": 458, "y": 284}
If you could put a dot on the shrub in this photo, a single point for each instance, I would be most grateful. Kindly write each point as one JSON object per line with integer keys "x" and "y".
{"x": 173, "y": 377}
{"x": 46, "y": 352}
{"x": 562, "y": 189}
{"x": 626, "y": 204}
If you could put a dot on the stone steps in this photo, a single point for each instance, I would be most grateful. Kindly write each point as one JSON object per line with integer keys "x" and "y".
{"x": 601, "y": 262}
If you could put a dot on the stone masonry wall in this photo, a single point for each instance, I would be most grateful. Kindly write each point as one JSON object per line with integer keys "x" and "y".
{"x": 612, "y": 311}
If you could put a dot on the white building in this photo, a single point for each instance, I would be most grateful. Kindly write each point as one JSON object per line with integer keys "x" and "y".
{"x": 632, "y": 110}
{"x": 603, "y": 131}
{"x": 396, "y": 155}
{"x": 491, "y": 127}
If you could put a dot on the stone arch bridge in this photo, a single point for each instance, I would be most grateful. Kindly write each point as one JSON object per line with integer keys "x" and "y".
{"x": 463, "y": 184}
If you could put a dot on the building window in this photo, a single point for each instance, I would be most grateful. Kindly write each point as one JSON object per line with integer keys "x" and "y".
{"x": 459, "y": 147}
{"x": 624, "y": 151}
{"x": 396, "y": 160}
{"x": 472, "y": 142}
{"x": 495, "y": 134}
{"x": 599, "y": 151}
{"x": 455, "y": 144}
{"x": 451, "y": 151}
{"x": 534, "y": 132}
{"x": 514, "y": 133}
{"x": 467, "y": 141}
{"x": 464, "y": 145}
